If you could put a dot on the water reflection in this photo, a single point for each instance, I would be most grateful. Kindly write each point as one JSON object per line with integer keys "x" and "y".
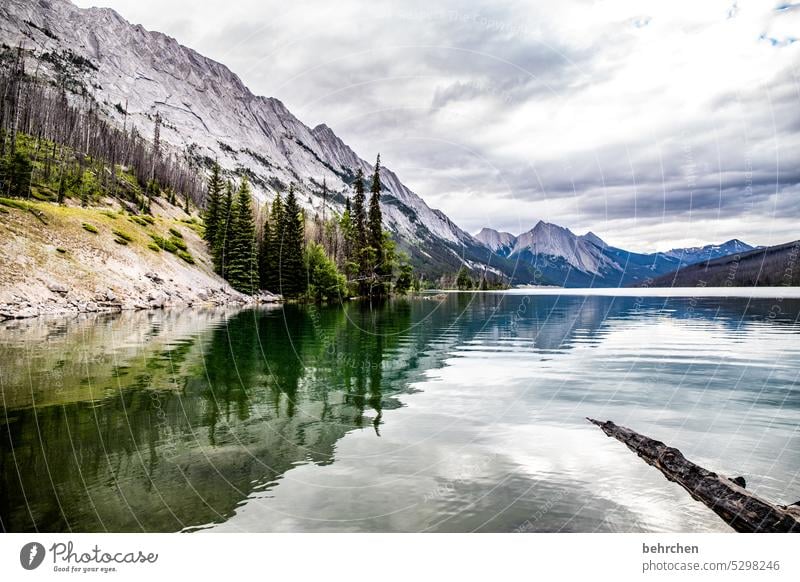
{"x": 458, "y": 414}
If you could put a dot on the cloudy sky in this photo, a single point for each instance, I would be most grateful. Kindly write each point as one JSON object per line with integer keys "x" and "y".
{"x": 653, "y": 124}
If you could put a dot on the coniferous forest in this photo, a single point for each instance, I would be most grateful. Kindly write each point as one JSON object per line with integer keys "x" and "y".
{"x": 55, "y": 146}
{"x": 324, "y": 258}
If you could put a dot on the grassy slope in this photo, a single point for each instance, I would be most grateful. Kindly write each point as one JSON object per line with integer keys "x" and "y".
{"x": 35, "y": 256}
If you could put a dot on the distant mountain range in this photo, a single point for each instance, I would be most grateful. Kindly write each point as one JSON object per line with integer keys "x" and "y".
{"x": 560, "y": 257}
{"x": 131, "y": 75}
{"x": 773, "y": 266}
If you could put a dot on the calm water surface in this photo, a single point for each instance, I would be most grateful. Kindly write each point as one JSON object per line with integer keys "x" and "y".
{"x": 462, "y": 413}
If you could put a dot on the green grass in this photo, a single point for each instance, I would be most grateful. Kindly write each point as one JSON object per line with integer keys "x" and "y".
{"x": 12, "y": 203}
{"x": 179, "y": 243}
{"x": 175, "y": 232}
{"x": 154, "y": 247}
{"x": 164, "y": 244}
{"x": 89, "y": 228}
{"x": 122, "y": 235}
{"x": 186, "y": 257}
{"x": 121, "y": 241}
{"x": 43, "y": 196}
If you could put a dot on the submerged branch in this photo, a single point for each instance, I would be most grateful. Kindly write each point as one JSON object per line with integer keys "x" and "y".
{"x": 728, "y": 498}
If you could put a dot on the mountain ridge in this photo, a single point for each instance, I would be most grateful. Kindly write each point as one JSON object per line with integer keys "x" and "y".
{"x": 133, "y": 75}
{"x": 587, "y": 260}
{"x": 208, "y": 112}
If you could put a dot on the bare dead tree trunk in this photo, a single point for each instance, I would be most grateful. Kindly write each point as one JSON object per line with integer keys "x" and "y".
{"x": 728, "y": 498}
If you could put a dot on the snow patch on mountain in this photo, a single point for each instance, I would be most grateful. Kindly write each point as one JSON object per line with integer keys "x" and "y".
{"x": 691, "y": 255}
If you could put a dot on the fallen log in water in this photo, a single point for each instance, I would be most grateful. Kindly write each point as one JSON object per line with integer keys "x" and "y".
{"x": 728, "y": 498}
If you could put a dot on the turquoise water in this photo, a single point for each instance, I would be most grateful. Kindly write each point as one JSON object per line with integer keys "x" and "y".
{"x": 462, "y": 412}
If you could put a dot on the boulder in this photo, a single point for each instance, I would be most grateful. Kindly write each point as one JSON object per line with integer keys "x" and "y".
{"x": 154, "y": 277}
{"x": 58, "y": 288}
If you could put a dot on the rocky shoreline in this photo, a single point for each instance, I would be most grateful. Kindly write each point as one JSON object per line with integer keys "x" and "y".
{"x": 156, "y": 294}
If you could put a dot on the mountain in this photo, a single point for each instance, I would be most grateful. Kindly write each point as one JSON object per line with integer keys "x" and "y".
{"x": 498, "y": 242}
{"x": 764, "y": 266}
{"x": 131, "y": 75}
{"x": 693, "y": 255}
{"x": 560, "y": 256}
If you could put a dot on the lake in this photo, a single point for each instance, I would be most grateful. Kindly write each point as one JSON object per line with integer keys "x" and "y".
{"x": 459, "y": 412}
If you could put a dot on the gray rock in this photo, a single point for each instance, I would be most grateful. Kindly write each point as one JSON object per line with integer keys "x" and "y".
{"x": 154, "y": 277}
{"x": 26, "y": 312}
{"x": 58, "y": 288}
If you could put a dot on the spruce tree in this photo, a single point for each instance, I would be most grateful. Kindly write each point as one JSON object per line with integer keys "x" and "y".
{"x": 219, "y": 249}
{"x": 375, "y": 229}
{"x": 359, "y": 214}
{"x": 264, "y": 256}
{"x": 241, "y": 270}
{"x": 348, "y": 263}
{"x": 360, "y": 255}
{"x": 292, "y": 273}
{"x": 213, "y": 203}
{"x": 273, "y": 243}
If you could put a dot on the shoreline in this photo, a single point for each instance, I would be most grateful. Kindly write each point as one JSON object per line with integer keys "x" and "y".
{"x": 108, "y": 302}
{"x": 733, "y": 292}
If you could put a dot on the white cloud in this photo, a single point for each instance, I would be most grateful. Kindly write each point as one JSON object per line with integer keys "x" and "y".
{"x": 640, "y": 120}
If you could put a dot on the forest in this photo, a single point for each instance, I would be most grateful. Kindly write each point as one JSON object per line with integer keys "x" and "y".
{"x": 55, "y": 146}
{"x": 775, "y": 266}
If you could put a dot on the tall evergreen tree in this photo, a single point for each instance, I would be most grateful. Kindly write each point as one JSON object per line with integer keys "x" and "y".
{"x": 359, "y": 214}
{"x": 359, "y": 250}
{"x": 374, "y": 227}
{"x": 292, "y": 273}
{"x": 221, "y": 246}
{"x": 241, "y": 270}
{"x": 213, "y": 203}
{"x": 264, "y": 256}
{"x": 273, "y": 243}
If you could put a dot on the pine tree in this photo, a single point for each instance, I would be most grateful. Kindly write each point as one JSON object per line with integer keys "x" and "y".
{"x": 241, "y": 266}
{"x": 273, "y": 243}
{"x": 360, "y": 254}
{"x": 375, "y": 229}
{"x": 347, "y": 263}
{"x": 463, "y": 279}
{"x": 292, "y": 275}
{"x": 213, "y": 203}
{"x": 219, "y": 249}
{"x": 264, "y": 256}
{"x": 18, "y": 175}
{"x": 359, "y": 215}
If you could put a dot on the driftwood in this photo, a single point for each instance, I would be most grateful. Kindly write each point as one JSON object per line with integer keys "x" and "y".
{"x": 728, "y": 498}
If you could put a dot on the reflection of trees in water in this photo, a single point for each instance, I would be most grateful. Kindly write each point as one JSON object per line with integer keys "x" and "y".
{"x": 179, "y": 435}
{"x": 268, "y": 395}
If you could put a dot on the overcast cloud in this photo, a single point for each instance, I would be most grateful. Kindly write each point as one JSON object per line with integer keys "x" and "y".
{"x": 653, "y": 124}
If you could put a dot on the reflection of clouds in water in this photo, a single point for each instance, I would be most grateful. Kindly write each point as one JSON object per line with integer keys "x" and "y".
{"x": 467, "y": 423}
